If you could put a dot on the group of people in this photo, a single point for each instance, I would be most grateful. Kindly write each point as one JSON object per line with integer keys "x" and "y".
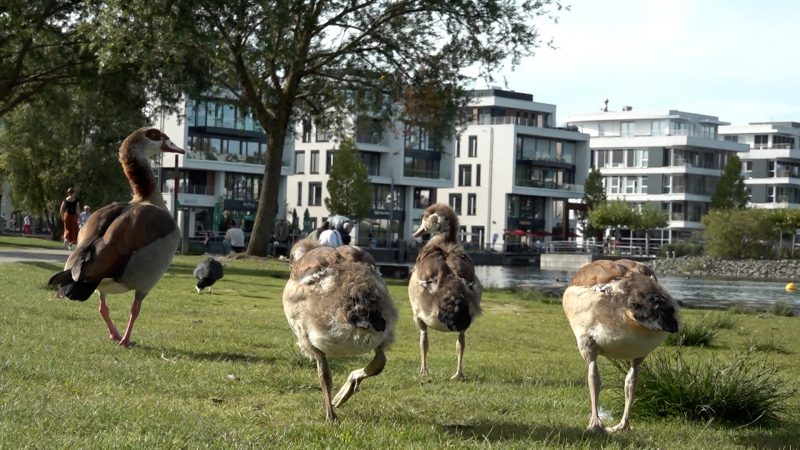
{"x": 334, "y": 232}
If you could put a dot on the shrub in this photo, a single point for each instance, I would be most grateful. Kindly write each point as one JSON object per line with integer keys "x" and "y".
{"x": 782, "y": 309}
{"x": 724, "y": 321}
{"x": 681, "y": 249}
{"x": 698, "y": 335}
{"x": 742, "y": 389}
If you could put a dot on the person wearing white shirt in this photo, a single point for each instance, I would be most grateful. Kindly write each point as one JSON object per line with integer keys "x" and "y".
{"x": 235, "y": 236}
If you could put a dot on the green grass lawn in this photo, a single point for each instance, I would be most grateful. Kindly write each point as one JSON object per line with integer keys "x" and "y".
{"x": 222, "y": 370}
{"x": 17, "y": 241}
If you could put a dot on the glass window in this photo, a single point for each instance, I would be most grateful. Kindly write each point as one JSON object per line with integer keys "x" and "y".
{"x": 424, "y": 197}
{"x": 477, "y": 175}
{"x": 299, "y": 193}
{"x": 473, "y": 146}
{"x": 455, "y": 203}
{"x": 465, "y": 175}
{"x": 626, "y": 128}
{"x": 314, "y": 194}
{"x": 330, "y": 155}
{"x": 472, "y": 204}
{"x": 299, "y": 162}
{"x": 314, "y": 162}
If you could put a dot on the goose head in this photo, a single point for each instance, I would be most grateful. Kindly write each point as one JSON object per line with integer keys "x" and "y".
{"x": 135, "y": 154}
{"x": 147, "y": 142}
{"x": 438, "y": 218}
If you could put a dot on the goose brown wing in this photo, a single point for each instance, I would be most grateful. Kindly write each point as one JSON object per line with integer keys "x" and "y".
{"x": 461, "y": 265}
{"x": 314, "y": 261}
{"x": 601, "y": 271}
{"x": 115, "y": 233}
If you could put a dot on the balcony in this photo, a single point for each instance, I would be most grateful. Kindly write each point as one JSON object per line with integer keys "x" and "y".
{"x": 779, "y": 146}
{"x": 545, "y": 185}
{"x": 226, "y": 157}
{"x": 190, "y": 189}
{"x": 369, "y": 138}
{"x": 421, "y": 173}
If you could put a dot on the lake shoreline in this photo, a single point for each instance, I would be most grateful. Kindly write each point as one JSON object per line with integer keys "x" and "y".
{"x": 787, "y": 270}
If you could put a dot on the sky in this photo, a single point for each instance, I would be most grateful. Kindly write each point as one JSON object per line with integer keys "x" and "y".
{"x": 738, "y": 60}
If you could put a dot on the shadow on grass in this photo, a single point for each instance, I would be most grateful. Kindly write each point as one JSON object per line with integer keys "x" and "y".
{"x": 489, "y": 431}
{"x": 777, "y": 438}
{"x": 172, "y": 355}
{"x": 49, "y": 266}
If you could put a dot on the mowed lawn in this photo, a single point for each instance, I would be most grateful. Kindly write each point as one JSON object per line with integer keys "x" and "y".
{"x": 222, "y": 370}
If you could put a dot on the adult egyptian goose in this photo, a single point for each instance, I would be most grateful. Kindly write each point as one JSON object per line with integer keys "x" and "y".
{"x": 125, "y": 246}
{"x": 443, "y": 290}
{"x": 338, "y": 305}
{"x": 207, "y": 272}
{"x": 617, "y": 309}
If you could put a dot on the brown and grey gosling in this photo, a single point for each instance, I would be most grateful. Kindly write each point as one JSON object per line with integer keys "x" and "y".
{"x": 338, "y": 305}
{"x": 444, "y": 292}
{"x": 125, "y": 246}
{"x": 617, "y": 309}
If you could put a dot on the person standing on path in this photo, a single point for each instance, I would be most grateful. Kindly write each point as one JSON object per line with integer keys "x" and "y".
{"x": 69, "y": 215}
{"x": 84, "y": 216}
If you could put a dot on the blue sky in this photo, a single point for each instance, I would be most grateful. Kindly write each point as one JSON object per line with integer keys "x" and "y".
{"x": 735, "y": 59}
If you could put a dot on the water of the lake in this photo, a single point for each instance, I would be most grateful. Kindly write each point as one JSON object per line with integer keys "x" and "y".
{"x": 694, "y": 292}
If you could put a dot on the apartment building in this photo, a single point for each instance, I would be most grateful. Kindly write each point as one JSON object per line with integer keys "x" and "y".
{"x": 771, "y": 167}
{"x": 405, "y": 164}
{"x": 516, "y": 172}
{"x": 219, "y": 177}
{"x": 673, "y": 159}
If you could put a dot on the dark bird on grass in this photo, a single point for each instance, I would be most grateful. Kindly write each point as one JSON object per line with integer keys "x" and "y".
{"x": 444, "y": 292}
{"x": 338, "y": 305}
{"x": 207, "y": 273}
{"x": 617, "y": 309}
{"x": 125, "y": 246}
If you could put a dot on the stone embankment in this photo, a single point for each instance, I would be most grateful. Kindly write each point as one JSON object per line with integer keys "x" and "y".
{"x": 763, "y": 269}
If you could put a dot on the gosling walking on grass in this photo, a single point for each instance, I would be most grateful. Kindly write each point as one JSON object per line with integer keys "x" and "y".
{"x": 617, "y": 309}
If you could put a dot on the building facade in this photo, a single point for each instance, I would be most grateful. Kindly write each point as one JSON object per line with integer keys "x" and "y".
{"x": 771, "y": 167}
{"x": 220, "y": 176}
{"x": 672, "y": 159}
{"x": 516, "y": 173}
{"x": 405, "y": 165}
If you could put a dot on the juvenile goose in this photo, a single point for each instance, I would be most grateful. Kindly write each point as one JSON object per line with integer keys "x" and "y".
{"x": 617, "y": 309}
{"x": 125, "y": 246}
{"x": 443, "y": 290}
{"x": 338, "y": 305}
{"x": 207, "y": 272}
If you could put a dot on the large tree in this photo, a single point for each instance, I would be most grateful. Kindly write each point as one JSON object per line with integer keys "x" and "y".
{"x": 731, "y": 192}
{"x": 349, "y": 188}
{"x": 42, "y": 43}
{"x": 318, "y": 58}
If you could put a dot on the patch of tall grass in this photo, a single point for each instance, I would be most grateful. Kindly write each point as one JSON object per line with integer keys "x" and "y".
{"x": 692, "y": 334}
{"x": 742, "y": 389}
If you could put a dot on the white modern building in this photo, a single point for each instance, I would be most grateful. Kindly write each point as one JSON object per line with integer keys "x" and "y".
{"x": 673, "y": 159}
{"x": 516, "y": 173}
{"x": 219, "y": 178}
{"x": 772, "y": 166}
{"x": 405, "y": 165}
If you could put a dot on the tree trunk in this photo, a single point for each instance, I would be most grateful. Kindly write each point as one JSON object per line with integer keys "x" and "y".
{"x": 270, "y": 188}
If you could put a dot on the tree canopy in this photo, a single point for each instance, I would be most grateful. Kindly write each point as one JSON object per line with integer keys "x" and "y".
{"x": 288, "y": 59}
{"x": 593, "y": 195}
{"x": 731, "y": 192}
{"x": 69, "y": 136}
{"x": 348, "y": 186}
{"x": 44, "y": 43}
{"x": 615, "y": 213}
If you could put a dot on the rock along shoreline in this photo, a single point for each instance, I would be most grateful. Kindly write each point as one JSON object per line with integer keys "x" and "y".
{"x": 761, "y": 269}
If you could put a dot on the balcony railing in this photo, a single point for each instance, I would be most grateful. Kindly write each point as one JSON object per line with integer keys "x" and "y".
{"x": 190, "y": 189}
{"x": 545, "y": 185}
{"x": 226, "y": 157}
{"x": 421, "y": 173}
{"x": 368, "y": 138}
{"x": 779, "y": 146}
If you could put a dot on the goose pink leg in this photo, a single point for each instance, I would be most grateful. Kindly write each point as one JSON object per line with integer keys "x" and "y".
{"x": 126, "y": 338}
{"x": 113, "y": 334}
